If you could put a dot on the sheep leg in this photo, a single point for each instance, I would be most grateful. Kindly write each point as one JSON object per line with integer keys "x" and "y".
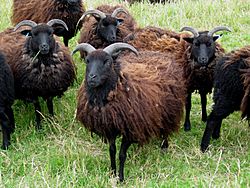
{"x": 203, "y": 107}
{"x": 122, "y": 157}
{"x": 187, "y": 125}
{"x": 50, "y": 106}
{"x": 112, "y": 153}
{"x": 10, "y": 115}
{"x": 38, "y": 115}
{"x": 5, "y": 130}
{"x": 216, "y": 132}
{"x": 164, "y": 145}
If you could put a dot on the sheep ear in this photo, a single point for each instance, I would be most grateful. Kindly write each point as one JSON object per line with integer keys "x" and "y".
{"x": 119, "y": 21}
{"x": 189, "y": 40}
{"x": 26, "y": 33}
{"x": 216, "y": 37}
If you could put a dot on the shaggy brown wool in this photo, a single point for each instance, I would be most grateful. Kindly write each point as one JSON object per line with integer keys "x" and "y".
{"x": 88, "y": 32}
{"x": 147, "y": 101}
{"x": 31, "y": 78}
{"x": 45, "y": 10}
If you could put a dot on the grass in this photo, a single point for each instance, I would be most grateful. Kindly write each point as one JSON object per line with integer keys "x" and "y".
{"x": 64, "y": 154}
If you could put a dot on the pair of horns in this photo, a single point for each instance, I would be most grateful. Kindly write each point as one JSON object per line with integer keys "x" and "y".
{"x": 34, "y": 24}
{"x": 111, "y": 49}
{"x": 210, "y": 33}
{"x": 101, "y": 14}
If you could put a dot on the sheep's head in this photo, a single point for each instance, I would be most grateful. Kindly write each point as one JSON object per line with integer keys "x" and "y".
{"x": 99, "y": 63}
{"x": 203, "y": 44}
{"x": 107, "y": 25}
{"x": 41, "y": 35}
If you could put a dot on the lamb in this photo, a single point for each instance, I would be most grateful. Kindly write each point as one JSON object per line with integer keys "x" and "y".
{"x": 6, "y": 101}
{"x": 203, "y": 54}
{"x": 41, "y": 65}
{"x": 110, "y": 24}
{"x": 231, "y": 92}
{"x": 127, "y": 97}
{"x": 38, "y": 11}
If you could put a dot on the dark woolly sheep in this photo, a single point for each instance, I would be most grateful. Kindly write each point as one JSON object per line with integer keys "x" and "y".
{"x": 41, "y": 65}
{"x": 39, "y": 11}
{"x": 128, "y": 97}
{"x": 231, "y": 91}
{"x": 6, "y": 101}
{"x": 198, "y": 54}
{"x": 109, "y": 24}
{"x": 203, "y": 54}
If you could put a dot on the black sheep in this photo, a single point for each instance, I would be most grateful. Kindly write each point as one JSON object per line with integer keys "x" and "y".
{"x": 231, "y": 85}
{"x": 6, "y": 101}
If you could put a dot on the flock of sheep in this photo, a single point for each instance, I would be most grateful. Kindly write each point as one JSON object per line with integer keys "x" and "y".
{"x": 137, "y": 82}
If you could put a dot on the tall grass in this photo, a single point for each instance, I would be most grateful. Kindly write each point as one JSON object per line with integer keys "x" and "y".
{"x": 64, "y": 154}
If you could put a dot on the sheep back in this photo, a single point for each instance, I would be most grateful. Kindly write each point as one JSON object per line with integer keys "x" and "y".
{"x": 43, "y": 11}
{"x": 147, "y": 101}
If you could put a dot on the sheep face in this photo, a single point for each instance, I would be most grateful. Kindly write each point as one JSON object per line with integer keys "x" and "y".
{"x": 107, "y": 28}
{"x": 202, "y": 48}
{"x": 99, "y": 66}
{"x": 41, "y": 39}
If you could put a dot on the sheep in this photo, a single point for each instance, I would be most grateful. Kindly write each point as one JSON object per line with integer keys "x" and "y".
{"x": 110, "y": 24}
{"x": 203, "y": 54}
{"x": 41, "y": 65}
{"x": 38, "y": 11}
{"x": 127, "y": 97}
{"x": 231, "y": 92}
{"x": 6, "y": 101}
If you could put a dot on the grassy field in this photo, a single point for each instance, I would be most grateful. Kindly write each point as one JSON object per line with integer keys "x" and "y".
{"x": 64, "y": 154}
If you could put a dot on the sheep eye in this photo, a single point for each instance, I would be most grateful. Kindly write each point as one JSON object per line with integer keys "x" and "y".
{"x": 105, "y": 24}
{"x": 87, "y": 61}
{"x": 106, "y": 62}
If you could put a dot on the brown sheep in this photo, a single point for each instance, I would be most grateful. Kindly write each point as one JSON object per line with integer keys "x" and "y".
{"x": 41, "y": 65}
{"x": 39, "y": 11}
{"x": 130, "y": 98}
{"x": 199, "y": 55}
{"x": 109, "y": 24}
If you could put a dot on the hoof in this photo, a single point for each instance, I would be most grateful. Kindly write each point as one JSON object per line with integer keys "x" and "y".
{"x": 187, "y": 127}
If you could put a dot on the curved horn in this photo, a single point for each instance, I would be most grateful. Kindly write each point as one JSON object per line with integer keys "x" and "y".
{"x": 83, "y": 46}
{"x": 219, "y": 28}
{"x": 191, "y": 29}
{"x": 57, "y": 21}
{"x": 25, "y": 23}
{"x": 96, "y": 12}
{"x": 118, "y": 10}
{"x": 119, "y": 46}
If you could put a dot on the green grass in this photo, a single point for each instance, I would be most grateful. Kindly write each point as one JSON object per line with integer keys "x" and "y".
{"x": 64, "y": 154}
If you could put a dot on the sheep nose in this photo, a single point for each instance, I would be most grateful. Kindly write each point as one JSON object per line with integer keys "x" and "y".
{"x": 203, "y": 60}
{"x": 44, "y": 47}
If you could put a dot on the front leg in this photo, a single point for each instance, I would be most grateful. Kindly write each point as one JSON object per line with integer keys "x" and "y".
{"x": 203, "y": 106}
{"x": 122, "y": 156}
{"x": 50, "y": 106}
{"x": 38, "y": 114}
{"x": 187, "y": 125}
{"x": 5, "y": 129}
{"x": 112, "y": 153}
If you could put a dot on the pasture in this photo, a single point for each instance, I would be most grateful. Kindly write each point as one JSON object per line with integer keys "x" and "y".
{"x": 64, "y": 154}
